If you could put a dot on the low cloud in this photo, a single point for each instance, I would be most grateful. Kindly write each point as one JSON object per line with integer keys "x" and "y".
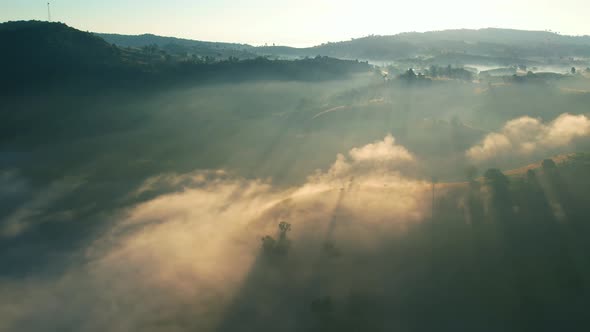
{"x": 526, "y": 135}
{"x": 180, "y": 260}
{"x": 381, "y": 160}
{"x": 385, "y": 151}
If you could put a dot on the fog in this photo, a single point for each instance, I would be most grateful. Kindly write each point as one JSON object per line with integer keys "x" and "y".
{"x": 182, "y": 257}
{"x": 160, "y": 211}
{"x": 526, "y": 135}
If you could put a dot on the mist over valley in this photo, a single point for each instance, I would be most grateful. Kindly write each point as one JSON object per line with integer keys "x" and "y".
{"x": 434, "y": 181}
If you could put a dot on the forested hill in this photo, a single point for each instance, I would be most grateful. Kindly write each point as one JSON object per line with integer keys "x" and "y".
{"x": 181, "y": 46}
{"x": 466, "y": 46}
{"x": 147, "y": 39}
{"x": 41, "y": 54}
{"x": 506, "y": 43}
{"x": 39, "y": 49}
{"x": 36, "y": 40}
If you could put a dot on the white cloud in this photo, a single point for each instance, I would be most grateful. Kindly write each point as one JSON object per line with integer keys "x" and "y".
{"x": 527, "y": 135}
{"x": 382, "y": 158}
{"x": 385, "y": 150}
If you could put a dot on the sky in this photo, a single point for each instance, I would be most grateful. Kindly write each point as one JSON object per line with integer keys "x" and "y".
{"x": 302, "y": 22}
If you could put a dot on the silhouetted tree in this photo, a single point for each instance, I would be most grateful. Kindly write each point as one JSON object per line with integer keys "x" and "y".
{"x": 409, "y": 75}
{"x": 548, "y": 165}
{"x": 280, "y": 247}
{"x": 268, "y": 243}
{"x": 284, "y": 227}
{"x": 501, "y": 202}
{"x": 471, "y": 173}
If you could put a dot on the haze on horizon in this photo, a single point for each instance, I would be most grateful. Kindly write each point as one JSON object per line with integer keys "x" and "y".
{"x": 302, "y": 23}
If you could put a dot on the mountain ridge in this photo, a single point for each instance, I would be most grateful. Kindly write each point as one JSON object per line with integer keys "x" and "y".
{"x": 545, "y": 33}
{"x": 513, "y": 44}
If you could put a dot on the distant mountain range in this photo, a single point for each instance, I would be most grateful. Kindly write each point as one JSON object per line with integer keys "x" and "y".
{"x": 460, "y": 46}
{"x": 491, "y": 46}
{"x": 36, "y": 52}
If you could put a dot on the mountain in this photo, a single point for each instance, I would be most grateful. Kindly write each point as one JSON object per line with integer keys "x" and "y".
{"x": 463, "y": 46}
{"x": 180, "y": 46}
{"x": 42, "y": 46}
{"x": 150, "y": 39}
{"x": 489, "y": 46}
{"x": 35, "y": 40}
{"x": 42, "y": 55}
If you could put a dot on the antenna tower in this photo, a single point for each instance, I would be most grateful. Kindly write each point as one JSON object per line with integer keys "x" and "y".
{"x": 48, "y": 12}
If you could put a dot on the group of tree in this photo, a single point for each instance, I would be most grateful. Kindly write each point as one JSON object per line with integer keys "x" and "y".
{"x": 410, "y": 77}
{"x": 280, "y": 246}
{"x": 450, "y": 72}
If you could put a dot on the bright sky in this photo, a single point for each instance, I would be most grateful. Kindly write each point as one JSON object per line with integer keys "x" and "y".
{"x": 301, "y": 22}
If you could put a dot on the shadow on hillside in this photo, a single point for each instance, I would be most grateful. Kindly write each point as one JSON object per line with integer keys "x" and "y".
{"x": 514, "y": 257}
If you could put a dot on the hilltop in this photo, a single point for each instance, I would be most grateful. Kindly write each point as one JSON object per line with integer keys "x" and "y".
{"x": 41, "y": 49}
{"x": 180, "y": 46}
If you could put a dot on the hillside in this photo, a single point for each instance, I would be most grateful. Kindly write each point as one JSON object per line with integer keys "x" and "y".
{"x": 41, "y": 49}
{"x": 180, "y": 46}
{"x": 31, "y": 41}
{"x": 515, "y": 45}
{"x": 42, "y": 54}
{"x": 147, "y": 39}
{"x": 487, "y": 47}
{"x": 38, "y": 55}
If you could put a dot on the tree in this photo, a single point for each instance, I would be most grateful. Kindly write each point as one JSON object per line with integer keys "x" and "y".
{"x": 268, "y": 243}
{"x": 433, "y": 71}
{"x": 471, "y": 173}
{"x": 284, "y": 227}
{"x": 501, "y": 201}
{"x": 548, "y": 165}
{"x": 474, "y": 203}
{"x": 150, "y": 49}
{"x": 280, "y": 247}
{"x": 573, "y": 70}
{"x": 495, "y": 178}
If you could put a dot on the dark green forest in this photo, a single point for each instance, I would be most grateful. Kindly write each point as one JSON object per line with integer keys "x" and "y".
{"x": 46, "y": 55}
